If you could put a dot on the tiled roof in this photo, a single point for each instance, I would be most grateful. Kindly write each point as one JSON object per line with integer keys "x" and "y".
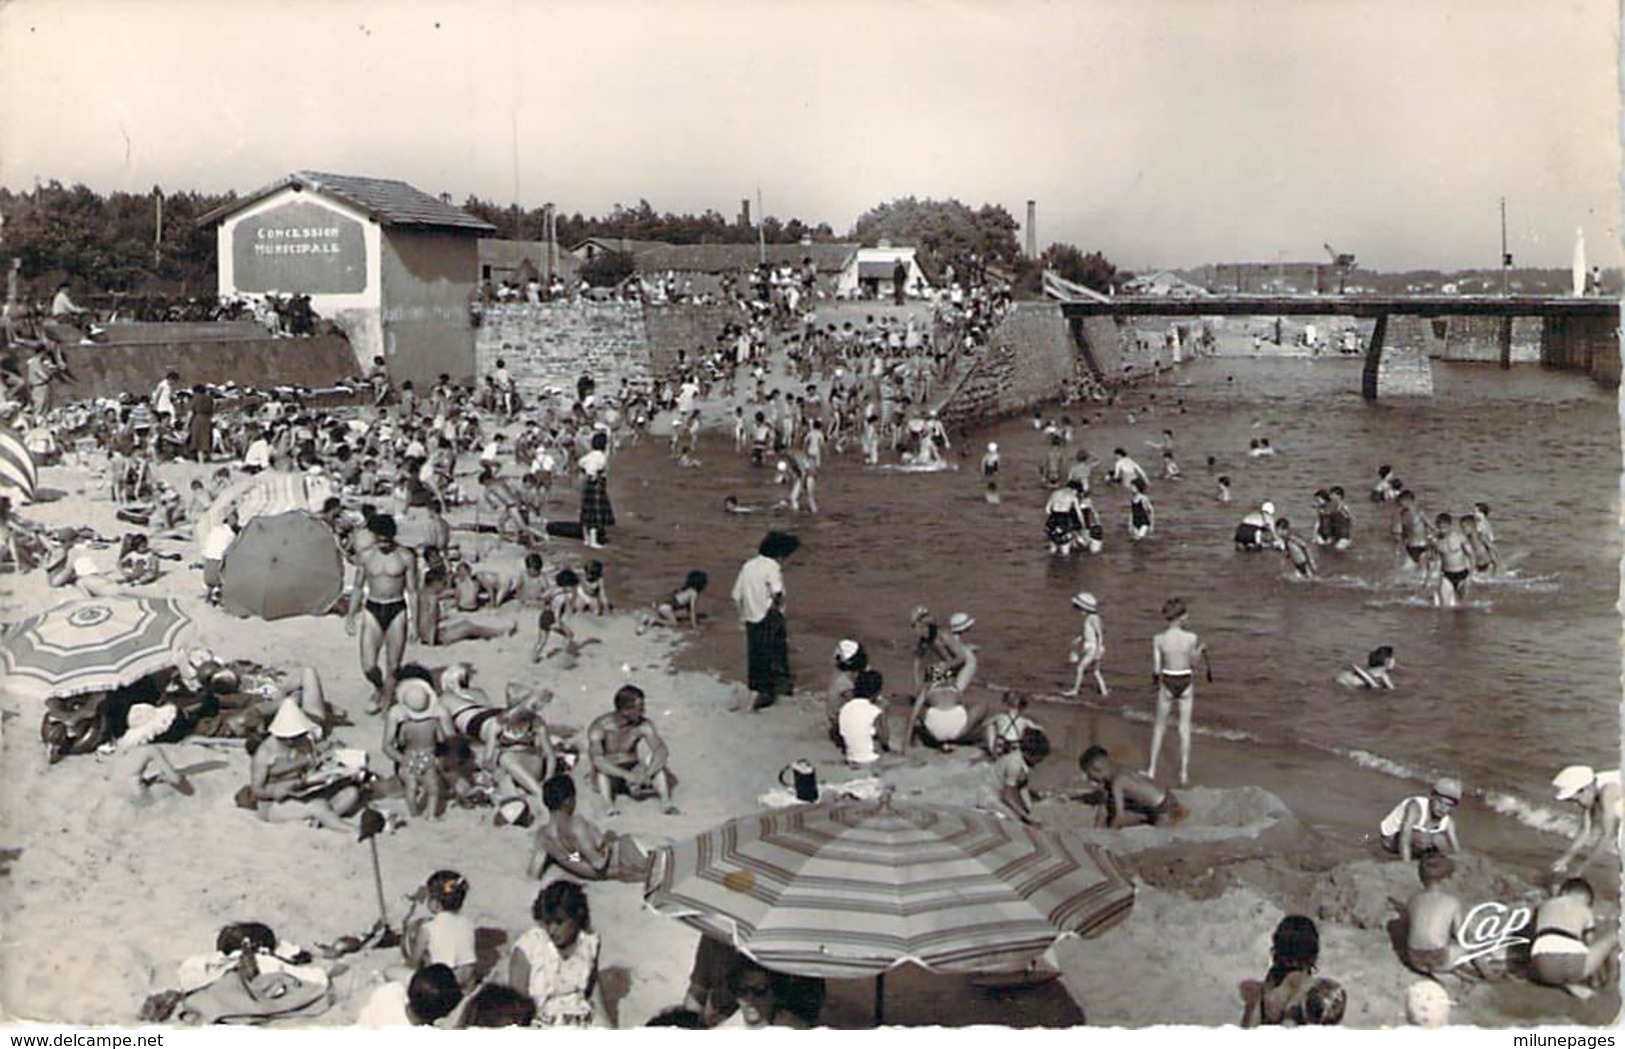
{"x": 390, "y": 202}
{"x": 730, "y": 258}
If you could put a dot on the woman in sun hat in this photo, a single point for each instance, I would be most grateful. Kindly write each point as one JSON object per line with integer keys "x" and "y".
{"x": 287, "y": 780}
{"x": 941, "y": 714}
{"x": 1089, "y": 647}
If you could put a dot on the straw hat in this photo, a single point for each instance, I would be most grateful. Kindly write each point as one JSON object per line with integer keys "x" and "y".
{"x": 291, "y": 722}
{"x": 961, "y": 622}
{"x": 1083, "y": 601}
{"x": 1573, "y": 780}
{"x": 146, "y": 723}
{"x": 415, "y": 695}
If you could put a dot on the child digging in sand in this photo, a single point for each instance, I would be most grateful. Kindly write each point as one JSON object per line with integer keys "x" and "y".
{"x": 551, "y": 621}
{"x": 1125, "y": 796}
{"x": 1433, "y": 917}
{"x": 684, "y": 603}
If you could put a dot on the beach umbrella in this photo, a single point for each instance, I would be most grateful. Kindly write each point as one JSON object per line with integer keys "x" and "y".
{"x": 18, "y": 477}
{"x": 91, "y": 645}
{"x": 852, "y": 889}
{"x": 284, "y": 565}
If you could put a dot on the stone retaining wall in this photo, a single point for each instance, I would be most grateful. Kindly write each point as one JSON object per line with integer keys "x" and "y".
{"x": 1028, "y": 359}
{"x": 109, "y": 370}
{"x": 552, "y": 344}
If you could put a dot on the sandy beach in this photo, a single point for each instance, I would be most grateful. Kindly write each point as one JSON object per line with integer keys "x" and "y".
{"x": 103, "y": 897}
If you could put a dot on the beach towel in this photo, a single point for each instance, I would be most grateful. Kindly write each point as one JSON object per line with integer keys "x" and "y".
{"x": 262, "y": 999}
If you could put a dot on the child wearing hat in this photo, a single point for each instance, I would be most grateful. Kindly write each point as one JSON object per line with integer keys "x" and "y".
{"x": 1600, "y": 799}
{"x": 1423, "y": 823}
{"x": 1089, "y": 647}
{"x": 415, "y": 725}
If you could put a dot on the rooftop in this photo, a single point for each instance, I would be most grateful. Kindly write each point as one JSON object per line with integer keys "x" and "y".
{"x": 387, "y": 201}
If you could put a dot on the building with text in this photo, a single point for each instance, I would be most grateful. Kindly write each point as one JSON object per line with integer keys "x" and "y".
{"x": 392, "y": 266}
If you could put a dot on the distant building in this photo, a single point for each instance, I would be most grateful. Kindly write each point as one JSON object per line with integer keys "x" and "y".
{"x": 703, "y": 265}
{"x": 392, "y": 266}
{"x": 519, "y": 260}
{"x": 1164, "y": 283}
{"x": 871, "y": 271}
{"x": 593, "y": 247}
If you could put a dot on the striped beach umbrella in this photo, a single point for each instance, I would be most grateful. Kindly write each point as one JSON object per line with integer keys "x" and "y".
{"x": 850, "y": 889}
{"x": 18, "y": 477}
{"x": 91, "y": 645}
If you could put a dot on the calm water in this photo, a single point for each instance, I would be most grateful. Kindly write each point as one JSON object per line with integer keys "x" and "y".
{"x": 1502, "y": 693}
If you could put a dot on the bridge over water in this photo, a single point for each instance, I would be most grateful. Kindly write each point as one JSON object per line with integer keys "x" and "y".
{"x": 1579, "y": 334}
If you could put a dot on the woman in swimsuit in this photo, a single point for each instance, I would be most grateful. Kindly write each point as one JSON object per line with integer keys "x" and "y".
{"x": 945, "y": 667}
{"x": 515, "y": 739}
{"x": 1005, "y": 729}
{"x": 1374, "y": 674}
{"x": 1063, "y": 519}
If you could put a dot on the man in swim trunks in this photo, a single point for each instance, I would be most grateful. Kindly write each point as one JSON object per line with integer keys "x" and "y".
{"x": 1601, "y": 805}
{"x": 1449, "y": 548}
{"x": 1173, "y": 668}
{"x": 614, "y": 755}
{"x": 1411, "y": 528}
{"x": 386, "y": 586}
{"x": 579, "y": 847}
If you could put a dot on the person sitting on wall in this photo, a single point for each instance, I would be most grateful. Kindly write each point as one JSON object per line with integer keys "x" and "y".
{"x": 378, "y": 379}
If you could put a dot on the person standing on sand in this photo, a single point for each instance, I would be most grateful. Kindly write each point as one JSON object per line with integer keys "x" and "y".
{"x": 1173, "y": 657}
{"x": 758, "y": 593}
{"x": 387, "y": 585}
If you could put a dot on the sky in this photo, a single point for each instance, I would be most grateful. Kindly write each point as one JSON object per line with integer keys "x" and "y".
{"x": 1161, "y": 132}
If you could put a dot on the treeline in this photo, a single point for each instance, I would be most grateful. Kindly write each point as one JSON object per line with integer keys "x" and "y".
{"x": 644, "y": 223}
{"x": 112, "y": 242}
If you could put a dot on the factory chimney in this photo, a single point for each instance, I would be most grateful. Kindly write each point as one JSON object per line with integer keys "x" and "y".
{"x": 1032, "y": 229}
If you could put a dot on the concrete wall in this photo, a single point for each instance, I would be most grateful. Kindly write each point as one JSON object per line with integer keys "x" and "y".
{"x": 691, "y": 328}
{"x": 1028, "y": 359}
{"x": 1479, "y": 339}
{"x": 1405, "y": 369}
{"x": 428, "y": 281}
{"x": 107, "y": 371}
{"x": 1584, "y": 344}
{"x": 552, "y": 344}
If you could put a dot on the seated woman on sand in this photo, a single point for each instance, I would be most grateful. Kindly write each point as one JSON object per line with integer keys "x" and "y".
{"x": 512, "y": 739}
{"x": 945, "y": 665}
{"x": 556, "y": 962}
{"x": 291, "y": 778}
{"x": 850, "y": 660}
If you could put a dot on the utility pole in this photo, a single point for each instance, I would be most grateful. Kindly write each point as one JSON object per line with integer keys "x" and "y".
{"x": 158, "y": 230}
{"x": 1506, "y": 258}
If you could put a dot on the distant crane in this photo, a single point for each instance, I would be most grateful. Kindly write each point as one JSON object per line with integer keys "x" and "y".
{"x": 1342, "y": 263}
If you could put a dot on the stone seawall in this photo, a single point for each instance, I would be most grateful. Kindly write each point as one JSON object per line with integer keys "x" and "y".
{"x": 107, "y": 370}
{"x": 552, "y": 344}
{"x": 1479, "y": 339}
{"x": 1029, "y": 358}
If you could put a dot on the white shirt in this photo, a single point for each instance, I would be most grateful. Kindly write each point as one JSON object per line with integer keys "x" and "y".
{"x": 163, "y": 398}
{"x": 760, "y": 580}
{"x": 258, "y": 454}
{"x": 857, "y": 724}
{"x": 594, "y": 462}
{"x": 450, "y": 939}
{"x": 385, "y": 1008}
{"x": 217, "y": 542}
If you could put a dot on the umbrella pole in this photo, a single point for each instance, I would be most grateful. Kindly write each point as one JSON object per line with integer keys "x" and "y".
{"x": 880, "y": 1000}
{"x": 378, "y": 882}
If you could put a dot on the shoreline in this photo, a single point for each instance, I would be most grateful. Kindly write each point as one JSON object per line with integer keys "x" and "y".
{"x": 1210, "y": 891}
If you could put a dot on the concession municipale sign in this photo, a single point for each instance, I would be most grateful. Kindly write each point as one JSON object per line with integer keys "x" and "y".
{"x": 300, "y": 247}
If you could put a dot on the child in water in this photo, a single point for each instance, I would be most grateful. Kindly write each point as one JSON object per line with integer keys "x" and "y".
{"x": 1170, "y": 468}
{"x": 1479, "y": 546}
{"x": 1089, "y": 647}
{"x": 1296, "y": 550}
{"x": 1223, "y": 492}
{"x": 990, "y": 472}
{"x": 683, "y": 603}
{"x": 1142, "y": 516}
{"x": 1375, "y": 674}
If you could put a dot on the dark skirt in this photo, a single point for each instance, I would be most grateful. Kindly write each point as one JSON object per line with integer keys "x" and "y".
{"x": 595, "y": 509}
{"x": 200, "y": 436}
{"x": 767, "y": 656}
